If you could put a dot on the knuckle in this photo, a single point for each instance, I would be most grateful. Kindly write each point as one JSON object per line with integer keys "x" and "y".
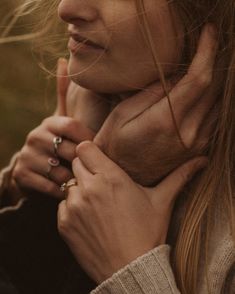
{"x": 203, "y": 80}
{"x": 48, "y": 121}
{"x": 113, "y": 179}
{"x": 34, "y": 137}
{"x": 24, "y": 153}
{"x": 101, "y": 179}
{"x": 190, "y": 138}
{"x": 31, "y": 137}
{"x": 83, "y": 147}
{"x": 74, "y": 205}
{"x": 89, "y": 191}
{"x": 18, "y": 173}
{"x": 63, "y": 223}
{"x": 62, "y": 226}
{"x": 68, "y": 125}
{"x": 21, "y": 177}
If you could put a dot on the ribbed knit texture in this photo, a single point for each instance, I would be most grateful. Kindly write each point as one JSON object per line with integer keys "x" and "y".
{"x": 150, "y": 273}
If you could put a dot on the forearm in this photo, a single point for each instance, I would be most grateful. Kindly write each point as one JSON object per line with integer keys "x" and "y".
{"x": 148, "y": 274}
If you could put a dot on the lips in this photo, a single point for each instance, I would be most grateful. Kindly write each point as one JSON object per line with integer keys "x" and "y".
{"x": 81, "y": 42}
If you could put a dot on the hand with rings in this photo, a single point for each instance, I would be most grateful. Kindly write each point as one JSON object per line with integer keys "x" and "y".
{"x": 65, "y": 186}
{"x": 44, "y": 162}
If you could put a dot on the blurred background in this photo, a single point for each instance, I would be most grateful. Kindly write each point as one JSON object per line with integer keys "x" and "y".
{"x": 27, "y": 93}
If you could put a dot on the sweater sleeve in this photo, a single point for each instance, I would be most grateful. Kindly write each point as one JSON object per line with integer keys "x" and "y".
{"x": 148, "y": 274}
{"x": 5, "y": 176}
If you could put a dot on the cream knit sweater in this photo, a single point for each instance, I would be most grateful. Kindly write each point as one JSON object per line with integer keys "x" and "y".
{"x": 152, "y": 273}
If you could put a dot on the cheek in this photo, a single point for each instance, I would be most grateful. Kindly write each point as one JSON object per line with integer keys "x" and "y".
{"x": 129, "y": 63}
{"x": 167, "y": 35}
{"x": 130, "y": 58}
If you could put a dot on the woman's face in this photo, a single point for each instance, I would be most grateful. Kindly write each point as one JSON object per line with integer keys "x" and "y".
{"x": 120, "y": 60}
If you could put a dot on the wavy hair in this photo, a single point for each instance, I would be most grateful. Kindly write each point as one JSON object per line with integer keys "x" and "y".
{"x": 214, "y": 192}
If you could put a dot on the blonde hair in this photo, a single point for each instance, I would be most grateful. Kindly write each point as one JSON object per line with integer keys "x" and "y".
{"x": 214, "y": 191}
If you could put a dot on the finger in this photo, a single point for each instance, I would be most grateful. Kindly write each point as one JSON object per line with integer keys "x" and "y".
{"x": 133, "y": 108}
{"x": 197, "y": 120}
{"x": 62, "y": 86}
{"x": 81, "y": 173}
{"x": 84, "y": 178}
{"x": 42, "y": 141}
{"x": 69, "y": 128}
{"x": 57, "y": 173}
{"x": 193, "y": 85}
{"x": 199, "y": 77}
{"x": 61, "y": 214}
{"x": 138, "y": 103}
{"x": 206, "y": 130}
{"x": 31, "y": 181}
{"x": 67, "y": 150}
{"x": 60, "y": 175}
{"x": 170, "y": 187}
{"x": 62, "y": 217}
{"x": 94, "y": 159}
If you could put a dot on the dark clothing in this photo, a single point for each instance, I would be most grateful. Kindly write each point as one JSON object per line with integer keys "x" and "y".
{"x": 34, "y": 256}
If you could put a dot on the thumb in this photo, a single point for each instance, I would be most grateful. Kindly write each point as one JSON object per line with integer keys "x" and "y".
{"x": 170, "y": 187}
{"x": 62, "y": 87}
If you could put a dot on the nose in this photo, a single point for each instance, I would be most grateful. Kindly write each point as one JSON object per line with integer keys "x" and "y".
{"x": 74, "y": 11}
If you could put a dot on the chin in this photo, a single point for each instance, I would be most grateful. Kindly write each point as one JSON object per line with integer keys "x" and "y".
{"x": 105, "y": 80}
{"x": 98, "y": 83}
{"x": 104, "y": 84}
{"x": 94, "y": 84}
{"x": 92, "y": 77}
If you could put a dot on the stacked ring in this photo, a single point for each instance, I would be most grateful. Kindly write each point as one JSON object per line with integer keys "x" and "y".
{"x": 52, "y": 162}
{"x": 57, "y": 141}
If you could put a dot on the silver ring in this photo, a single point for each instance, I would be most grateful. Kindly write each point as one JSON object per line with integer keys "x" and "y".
{"x": 56, "y": 142}
{"x": 52, "y": 162}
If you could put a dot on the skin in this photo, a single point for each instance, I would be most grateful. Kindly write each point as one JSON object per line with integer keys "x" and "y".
{"x": 104, "y": 23}
{"x": 88, "y": 111}
{"x": 128, "y": 123}
{"x": 123, "y": 219}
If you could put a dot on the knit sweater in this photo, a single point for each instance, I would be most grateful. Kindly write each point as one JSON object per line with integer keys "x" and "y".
{"x": 149, "y": 274}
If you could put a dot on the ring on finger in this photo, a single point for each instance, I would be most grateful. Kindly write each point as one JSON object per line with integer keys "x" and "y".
{"x": 56, "y": 142}
{"x": 65, "y": 186}
{"x": 52, "y": 162}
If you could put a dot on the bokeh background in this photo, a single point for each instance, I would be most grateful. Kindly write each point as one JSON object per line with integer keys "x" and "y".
{"x": 27, "y": 93}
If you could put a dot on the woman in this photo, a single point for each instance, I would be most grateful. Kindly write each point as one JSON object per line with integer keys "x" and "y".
{"x": 120, "y": 241}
